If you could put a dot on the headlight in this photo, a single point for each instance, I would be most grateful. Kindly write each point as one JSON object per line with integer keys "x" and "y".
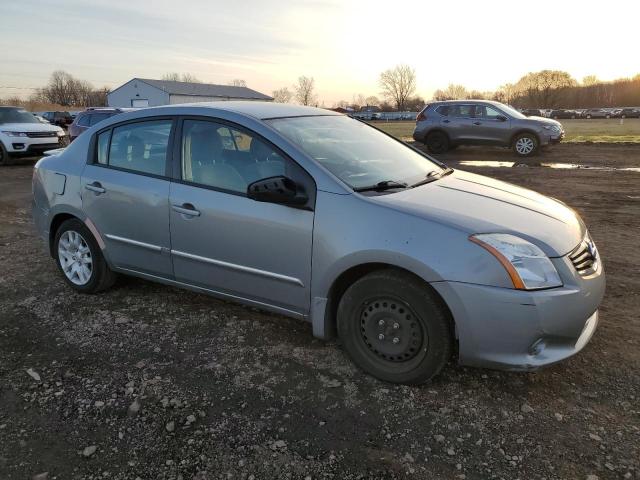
{"x": 15, "y": 134}
{"x": 528, "y": 267}
{"x": 61, "y": 133}
{"x": 554, "y": 128}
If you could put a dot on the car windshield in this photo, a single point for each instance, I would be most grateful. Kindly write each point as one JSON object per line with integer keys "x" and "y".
{"x": 14, "y": 115}
{"x": 353, "y": 151}
{"x": 512, "y": 111}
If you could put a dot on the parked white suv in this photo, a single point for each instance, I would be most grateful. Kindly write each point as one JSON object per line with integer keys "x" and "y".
{"x": 21, "y": 134}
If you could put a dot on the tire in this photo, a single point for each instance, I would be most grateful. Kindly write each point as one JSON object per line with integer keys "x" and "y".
{"x": 4, "y": 156}
{"x": 77, "y": 236}
{"x": 395, "y": 328}
{"x": 437, "y": 142}
{"x": 525, "y": 144}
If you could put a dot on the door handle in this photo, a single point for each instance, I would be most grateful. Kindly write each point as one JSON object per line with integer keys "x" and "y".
{"x": 446, "y": 121}
{"x": 95, "y": 187}
{"x": 186, "y": 209}
{"x": 477, "y": 123}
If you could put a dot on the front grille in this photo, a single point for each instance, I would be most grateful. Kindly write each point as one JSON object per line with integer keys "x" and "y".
{"x": 585, "y": 257}
{"x": 41, "y": 134}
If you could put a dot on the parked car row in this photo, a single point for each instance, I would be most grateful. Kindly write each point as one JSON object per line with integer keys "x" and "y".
{"x": 587, "y": 113}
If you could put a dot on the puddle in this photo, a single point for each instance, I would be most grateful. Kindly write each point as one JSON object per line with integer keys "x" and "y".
{"x": 563, "y": 166}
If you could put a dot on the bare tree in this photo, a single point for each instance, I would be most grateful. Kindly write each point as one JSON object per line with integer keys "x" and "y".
{"x": 176, "y": 77}
{"x": 304, "y": 93}
{"x": 543, "y": 89}
{"x": 372, "y": 101}
{"x": 590, "y": 80}
{"x": 282, "y": 95}
{"x": 398, "y": 84}
{"x": 452, "y": 92}
{"x": 238, "y": 82}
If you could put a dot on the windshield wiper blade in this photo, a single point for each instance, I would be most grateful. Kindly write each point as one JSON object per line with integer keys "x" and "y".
{"x": 432, "y": 177}
{"x": 381, "y": 186}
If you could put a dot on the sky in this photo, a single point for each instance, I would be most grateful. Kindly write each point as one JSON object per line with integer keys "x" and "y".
{"x": 343, "y": 44}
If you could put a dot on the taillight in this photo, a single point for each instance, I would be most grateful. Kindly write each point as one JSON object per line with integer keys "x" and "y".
{"x": 421, "y": 116}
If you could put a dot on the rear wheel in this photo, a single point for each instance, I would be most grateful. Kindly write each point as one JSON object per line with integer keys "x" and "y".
{"x": 80, "y": 259}
{"x": 395, "y": 327}
{"x": 437, "y": 142}
{"x": 525, "y": 144}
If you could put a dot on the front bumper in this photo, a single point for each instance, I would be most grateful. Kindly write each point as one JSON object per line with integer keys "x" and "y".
{"x": 26, "y": 146}
{"x": 524, "y": 330}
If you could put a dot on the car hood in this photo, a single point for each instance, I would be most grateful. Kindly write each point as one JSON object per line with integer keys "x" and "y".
{"x": 476, "y": 204}
{"x": 545, "y": 121}
{"x": 28, "y": 127}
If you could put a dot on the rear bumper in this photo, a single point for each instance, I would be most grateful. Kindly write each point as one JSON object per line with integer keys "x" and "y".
{"x": 524, "y": 330}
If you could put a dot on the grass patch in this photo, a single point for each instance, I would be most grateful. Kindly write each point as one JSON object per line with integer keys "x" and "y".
{"x": 597, "y": 130}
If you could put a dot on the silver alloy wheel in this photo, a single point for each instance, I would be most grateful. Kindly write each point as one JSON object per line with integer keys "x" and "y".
{"x": 74, "y": 256}
{"x": 524, "y": 146}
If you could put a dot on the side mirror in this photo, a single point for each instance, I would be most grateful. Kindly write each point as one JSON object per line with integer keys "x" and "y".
{"x": 501, "y": 118}
{"x": 278, "y": 189}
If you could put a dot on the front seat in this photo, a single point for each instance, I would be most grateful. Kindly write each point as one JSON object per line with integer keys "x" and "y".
{"x": 205, "y": 148}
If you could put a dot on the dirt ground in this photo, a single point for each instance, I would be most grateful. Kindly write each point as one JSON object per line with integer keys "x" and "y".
{"x": 150, "y": 382}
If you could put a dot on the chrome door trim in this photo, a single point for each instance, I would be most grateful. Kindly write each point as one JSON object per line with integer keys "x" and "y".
{"x": 215, "y": 293}
{"x": 149, "y": 246}
{"x": 241, "y": 268}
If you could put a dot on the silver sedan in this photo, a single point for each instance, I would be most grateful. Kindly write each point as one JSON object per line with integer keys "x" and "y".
{"x": 318, "y": 216}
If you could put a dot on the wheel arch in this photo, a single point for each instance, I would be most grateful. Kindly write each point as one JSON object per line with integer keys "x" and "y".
{"x": 521, "y": 131}
{"x": 352, "y": 274}
{"x": 56, "y": 221}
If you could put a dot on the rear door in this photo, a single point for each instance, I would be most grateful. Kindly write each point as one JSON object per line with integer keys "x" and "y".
{"x": 490, "y": 125}
{"x": 125, "y": 193}
{"x": 226, "y": 242}
{"x": 456, "y": 121}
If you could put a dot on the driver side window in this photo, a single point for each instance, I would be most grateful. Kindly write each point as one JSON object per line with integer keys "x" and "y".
{"x": 222, "y": 157}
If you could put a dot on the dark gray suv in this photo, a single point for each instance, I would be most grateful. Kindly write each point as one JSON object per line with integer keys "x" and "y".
{"x": 445, "y": 125}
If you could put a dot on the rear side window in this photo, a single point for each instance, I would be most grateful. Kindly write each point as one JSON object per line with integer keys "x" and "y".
{"x": 140, "y": 147}
{"x": 443, "y": 110}
{"x": 98, "y": 117}
{"x": 463, "y": 111}
{"x": 84, "y": 120}
{"x": 103, "y": 147}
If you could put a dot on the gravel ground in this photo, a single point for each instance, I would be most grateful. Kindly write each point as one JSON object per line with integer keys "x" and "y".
{"x": 150, "y": 382}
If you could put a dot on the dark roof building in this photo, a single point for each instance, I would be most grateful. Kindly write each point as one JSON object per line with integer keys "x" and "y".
{"x": 144, "y": 92}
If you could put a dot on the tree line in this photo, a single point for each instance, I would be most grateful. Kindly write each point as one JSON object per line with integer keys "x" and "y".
{"x": 543, "y": 89}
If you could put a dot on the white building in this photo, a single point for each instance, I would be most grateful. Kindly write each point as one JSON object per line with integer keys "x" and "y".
{"x": 143, "y": 92}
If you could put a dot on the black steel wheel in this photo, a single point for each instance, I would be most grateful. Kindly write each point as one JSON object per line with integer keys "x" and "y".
{"x": 395, "y": 327}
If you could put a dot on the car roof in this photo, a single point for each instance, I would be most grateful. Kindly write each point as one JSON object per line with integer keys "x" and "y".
{"x": 455, "y": 102}
{"x": 260, "y": 110}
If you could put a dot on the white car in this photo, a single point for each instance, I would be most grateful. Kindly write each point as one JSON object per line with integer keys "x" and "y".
{"x": 22, "y": 134}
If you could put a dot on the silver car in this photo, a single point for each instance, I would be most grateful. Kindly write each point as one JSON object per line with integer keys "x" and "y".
{"x": 445, "y": 125}
{"x": 321, "y": 217}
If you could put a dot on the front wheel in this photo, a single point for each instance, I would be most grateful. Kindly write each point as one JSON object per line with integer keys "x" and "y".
{"x": 80, "y": 259}
{"x": 395, "y": 327}
{"x": 525, "y": 144}
{"x": 437, "y": 142}
{"x": 4, "y": 156}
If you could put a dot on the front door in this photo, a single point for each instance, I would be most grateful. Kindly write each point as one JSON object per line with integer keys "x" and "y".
{"x": 224, "y": 241}
{"x": 490, "y": 126}
{"x": 125, "y": 194}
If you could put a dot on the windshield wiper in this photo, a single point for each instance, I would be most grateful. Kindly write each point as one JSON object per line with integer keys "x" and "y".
{"x": 381, "y": 186}
{"x": 432, "y": 177}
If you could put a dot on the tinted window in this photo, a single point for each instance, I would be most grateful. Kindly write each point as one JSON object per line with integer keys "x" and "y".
{"x": 103, "y": 147}
{"x": 226, "y": 158}
{"x": 443, "y": 110}
{"x": 141, "y": 147}
{"x": 98, "y": 117}
{"x": 487, "y": 112}
{"x": 461, "y": 111}
{"x": 84, "y": 121}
